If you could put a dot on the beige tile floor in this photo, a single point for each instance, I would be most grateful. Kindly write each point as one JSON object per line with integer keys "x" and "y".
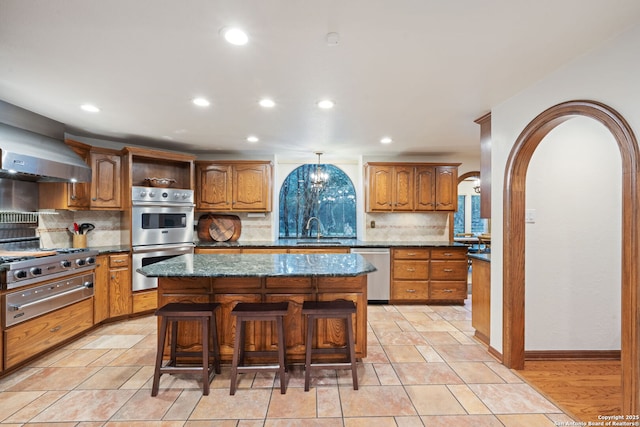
{"x": 423, "y": 369}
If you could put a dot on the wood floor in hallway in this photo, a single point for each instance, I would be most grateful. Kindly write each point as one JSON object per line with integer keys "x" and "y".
{"x": 584, "y": 389}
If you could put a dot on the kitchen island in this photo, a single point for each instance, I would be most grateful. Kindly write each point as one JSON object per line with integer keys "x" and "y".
{"x": 295, "y": 278}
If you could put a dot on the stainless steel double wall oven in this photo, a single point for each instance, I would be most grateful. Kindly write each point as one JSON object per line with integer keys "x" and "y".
{"x": 162, "y": 228}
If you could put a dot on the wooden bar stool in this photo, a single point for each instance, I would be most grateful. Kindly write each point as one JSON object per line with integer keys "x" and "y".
{"x": 261, "y": 312}
{"x": 326, "y": 310}
{"x": 176, "y": 312}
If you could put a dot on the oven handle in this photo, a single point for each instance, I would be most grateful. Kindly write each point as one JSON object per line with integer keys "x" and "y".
{"x": 156, "y": 248}
{"x": 164, "y": 204}
{"x": 15, "y": 307}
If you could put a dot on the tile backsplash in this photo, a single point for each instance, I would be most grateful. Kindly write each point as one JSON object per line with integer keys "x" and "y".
{"x": 410, "y": 227}
{"x": 53, "y": 229}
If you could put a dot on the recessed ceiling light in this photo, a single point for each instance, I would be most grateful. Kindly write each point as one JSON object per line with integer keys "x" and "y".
{"x": 90, "y": 108}
{"x": 201, "y": 102}
{"x": 326, "y": 104}
{"x": 235, "y": 36}
{"x": 252, "y": 138}
{"x": 386, "y": 140}
{"x": 267, "y": 103}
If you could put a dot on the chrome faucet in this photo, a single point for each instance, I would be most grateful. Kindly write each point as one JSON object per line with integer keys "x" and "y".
{"x": 309, "y": 223}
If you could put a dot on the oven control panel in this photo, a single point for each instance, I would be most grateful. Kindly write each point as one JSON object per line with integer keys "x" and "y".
{"x": 161, "y": 196}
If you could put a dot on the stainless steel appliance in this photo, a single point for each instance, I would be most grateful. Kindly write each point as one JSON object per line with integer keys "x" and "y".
{"x": 378, "y": 282}
{"x": 162, "y": 227}
{"x": 41, "y": 284}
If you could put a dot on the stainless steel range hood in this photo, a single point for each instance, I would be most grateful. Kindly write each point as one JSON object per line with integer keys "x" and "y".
{"x": 30, "y": 156}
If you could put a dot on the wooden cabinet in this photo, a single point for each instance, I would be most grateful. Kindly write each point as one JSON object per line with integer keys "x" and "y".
{"x": 410, "y": 275}
{"x": 106, "y": 181}
{"x": 32, "y": 337}
{"x": 103, "y": 192}
{"x": 428, "y": 275}
{"x": 234, "y": 186}
{"x": 142, "y": 163}
{"x": 481, "y": 298}
{"x": 228, "y": 291}
{"x": 112, "y": 287}
{"x": 411, "y": 187}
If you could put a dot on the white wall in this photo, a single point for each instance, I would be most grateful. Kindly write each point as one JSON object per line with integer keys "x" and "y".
{"x": 573, "y": 249}
{"x": 607, "y": 74}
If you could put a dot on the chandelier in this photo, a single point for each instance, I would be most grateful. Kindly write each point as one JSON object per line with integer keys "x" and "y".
{"x": 319, "y": 178}
{"x": 476, "y": 185}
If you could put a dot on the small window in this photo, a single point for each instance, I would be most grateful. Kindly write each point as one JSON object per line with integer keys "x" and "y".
{"x": 333, "y": 203}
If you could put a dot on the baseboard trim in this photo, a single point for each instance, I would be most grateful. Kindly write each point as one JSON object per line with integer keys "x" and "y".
{"x": 495, "y": 353}
{"x": 572, "y": 354}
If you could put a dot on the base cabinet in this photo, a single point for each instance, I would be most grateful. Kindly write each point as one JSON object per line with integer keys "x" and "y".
{"x": 262, "y": 336}
{"x": 481, "y": 298}
{"x": 112, "y": 288}
{"x": 429, "y": 275}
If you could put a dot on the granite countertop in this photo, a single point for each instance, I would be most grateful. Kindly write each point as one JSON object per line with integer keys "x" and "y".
{"x": 259, "y": 265}
{"x": 111, "y": 249}
{"x": 481, "y": 257}
{"x": 349, "y": 243}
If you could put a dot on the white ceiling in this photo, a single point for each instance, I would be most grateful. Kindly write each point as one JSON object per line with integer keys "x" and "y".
{"x": 419, "y": 71}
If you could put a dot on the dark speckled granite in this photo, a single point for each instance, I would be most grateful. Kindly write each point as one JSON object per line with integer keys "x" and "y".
{"x": 250, "y": 265}
{"x": 481, "y": 257}
{"x": 301, "y": 243}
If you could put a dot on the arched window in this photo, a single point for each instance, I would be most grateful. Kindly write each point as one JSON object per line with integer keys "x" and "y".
{"x": 333, "y": 202}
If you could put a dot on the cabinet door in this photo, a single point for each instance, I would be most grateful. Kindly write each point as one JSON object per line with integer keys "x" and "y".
{"x": 101, "y": 289}
{"x": 119, "y": 292}
{"x": 331, "y": 333}
{"x": 403, "y": 188}
{"x": 446, "y": 188}
{"x": 214, "y": 187}
{"x": 251, "y": 187}
{"x": 227, "y": 323}
{"x": 106, "y": 189}
{"x": 379, "y": 197}
{"x": 78, "y": 193}
{"x": 425, "y": 188}
{"x": 294, "y": 324}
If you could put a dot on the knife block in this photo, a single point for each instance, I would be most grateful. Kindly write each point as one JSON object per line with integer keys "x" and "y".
{"x": 79, "y": 240}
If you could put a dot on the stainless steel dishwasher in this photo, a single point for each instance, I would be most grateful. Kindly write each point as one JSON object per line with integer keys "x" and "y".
{"x": 378, "y": 282}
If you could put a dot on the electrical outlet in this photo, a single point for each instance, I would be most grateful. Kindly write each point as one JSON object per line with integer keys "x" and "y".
{"x": 373, "y": 224}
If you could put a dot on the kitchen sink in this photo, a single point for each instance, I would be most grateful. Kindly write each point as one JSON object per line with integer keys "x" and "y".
{"x": 318, "y": 243}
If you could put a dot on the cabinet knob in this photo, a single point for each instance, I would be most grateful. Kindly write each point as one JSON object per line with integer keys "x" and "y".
{"x": 94, "y": 199}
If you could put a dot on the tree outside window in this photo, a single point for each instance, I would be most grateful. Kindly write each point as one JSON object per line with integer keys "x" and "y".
{"x": 333, "y": 203}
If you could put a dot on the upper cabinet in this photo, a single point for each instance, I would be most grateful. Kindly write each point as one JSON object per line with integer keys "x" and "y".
{"x": 241, "y": 186}
{"x": 411, "y": 187}
{"x": 144, "y": 163}
{"x": 104, "y": 192}
{"x": 106, "y": 180}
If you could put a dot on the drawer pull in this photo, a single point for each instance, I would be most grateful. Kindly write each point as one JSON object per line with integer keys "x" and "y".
{"x": 411, "y": 291}
{"x": 448, "y": 291}
{"x": 411, "y": 254}
{"x": 411, "y": 269}
{"x": 447, "y": 270}
{"x": 56, "y": 329}
{"x": 118, "y": 260}
{"x": 447, "y": 254}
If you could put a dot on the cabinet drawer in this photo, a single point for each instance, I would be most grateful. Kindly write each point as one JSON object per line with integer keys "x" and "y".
{"x": 336, "y": 283}
{"x": 118, "y": 261}
{"x": 410, "y": 269}
{"x": 408, "y": 253}
{"x": 185, "y": 285}
{"x": 448, "y": 290}
{"x": 236, "y": 284}
{"x": 145, "y": 301}
{"x": 35, "y": 336}
{"x": 289, "y": 283}
{"x": 449, "y": 253}
{"x": 449, "y": 270}
{"x": 410, "y": 290}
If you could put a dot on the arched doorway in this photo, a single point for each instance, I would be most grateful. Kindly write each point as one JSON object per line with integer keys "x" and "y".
{"x": 514, "y": 237}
